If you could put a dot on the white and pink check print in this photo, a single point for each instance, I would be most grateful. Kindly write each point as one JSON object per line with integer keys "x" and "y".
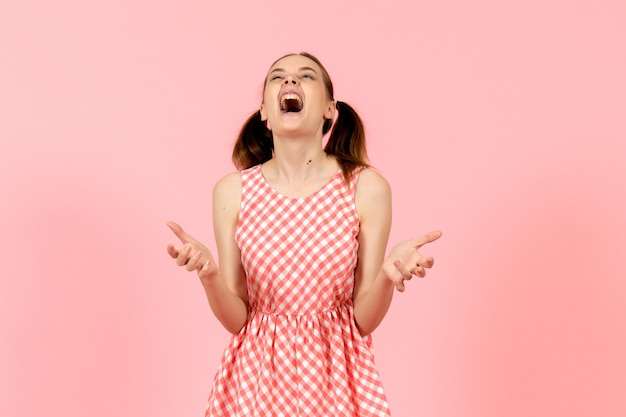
{"x": 299, "y": 353}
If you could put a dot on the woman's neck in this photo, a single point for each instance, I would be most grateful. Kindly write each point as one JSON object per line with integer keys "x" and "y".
{"x": 296, "y": 164}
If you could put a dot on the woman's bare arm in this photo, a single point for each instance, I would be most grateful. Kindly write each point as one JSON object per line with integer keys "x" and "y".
{"x": 375, "y": 275}
{"x": 225, "y": 287}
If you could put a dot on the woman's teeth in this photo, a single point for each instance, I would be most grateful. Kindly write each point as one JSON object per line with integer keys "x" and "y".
{"x": 291, "y": 103}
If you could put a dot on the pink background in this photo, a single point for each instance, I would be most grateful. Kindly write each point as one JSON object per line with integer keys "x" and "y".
{"x": 501, "y": 123}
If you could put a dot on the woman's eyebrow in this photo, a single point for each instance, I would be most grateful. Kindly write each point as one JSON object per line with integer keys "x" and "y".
{"x": 300, "y": 69}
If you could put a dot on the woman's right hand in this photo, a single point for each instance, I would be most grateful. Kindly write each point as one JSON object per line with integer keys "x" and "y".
{"x": 192, "y": 254}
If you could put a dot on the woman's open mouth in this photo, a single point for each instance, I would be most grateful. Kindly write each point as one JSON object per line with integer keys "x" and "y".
{"x": 291, "y": 103}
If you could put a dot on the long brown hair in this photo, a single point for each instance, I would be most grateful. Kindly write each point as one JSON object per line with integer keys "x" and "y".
{"x": 346, "y": 143}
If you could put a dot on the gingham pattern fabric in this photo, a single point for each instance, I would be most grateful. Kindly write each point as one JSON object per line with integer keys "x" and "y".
{"x": 299, "y": 353}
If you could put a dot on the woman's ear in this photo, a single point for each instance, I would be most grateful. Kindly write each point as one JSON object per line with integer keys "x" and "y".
{"x": 330, "y": 110}
{"x": 263, "y": 114}
{"x": 264, "y": 117}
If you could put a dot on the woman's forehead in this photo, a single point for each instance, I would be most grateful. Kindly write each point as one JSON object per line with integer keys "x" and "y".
{"x": 297, "y": 61}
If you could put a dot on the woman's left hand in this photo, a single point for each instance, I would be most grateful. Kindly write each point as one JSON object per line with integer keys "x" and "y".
{"x": 404, "y": 260}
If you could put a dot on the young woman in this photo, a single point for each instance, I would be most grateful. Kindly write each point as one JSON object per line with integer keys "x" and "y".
{"x": 301, "y": 233}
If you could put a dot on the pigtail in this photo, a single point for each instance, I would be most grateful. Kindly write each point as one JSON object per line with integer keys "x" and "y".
{"x": 347, "y": 140}
{"x": 254, "y": 144}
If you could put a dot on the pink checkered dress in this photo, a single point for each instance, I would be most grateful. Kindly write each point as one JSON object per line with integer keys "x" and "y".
{"x": 299, "y": 353}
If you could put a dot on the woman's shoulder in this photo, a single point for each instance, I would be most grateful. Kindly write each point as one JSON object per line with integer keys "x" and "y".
{"x": 229, "y": 180}
{"x": 372, "y": 182}
{"x": 373, "y": 192}
{"x": 227, "y": 190}
{"x": 372, "y": 197}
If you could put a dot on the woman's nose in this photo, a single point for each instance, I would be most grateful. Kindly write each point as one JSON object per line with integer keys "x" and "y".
{"x": 290, "y": 80}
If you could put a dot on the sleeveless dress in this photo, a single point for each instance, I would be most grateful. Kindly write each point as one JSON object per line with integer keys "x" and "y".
{"x": 299, "y": 352}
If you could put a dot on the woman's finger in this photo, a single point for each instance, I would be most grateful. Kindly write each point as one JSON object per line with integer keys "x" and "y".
{"x": 427, "y": 238}
{"x": 172, "y": 251}
{"x": 420, "y": 271}
{"x": 203, "y": 271}
{"x": 425, "y": 262}
{"x": 406, "y": 274}
{"x": 180, "y": 233}
{"x": 183, "y": 255}
{"x": 194, "y": 262}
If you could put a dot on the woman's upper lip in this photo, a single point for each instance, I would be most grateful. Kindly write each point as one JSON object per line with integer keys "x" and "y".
{"x": 290, "y": 91}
